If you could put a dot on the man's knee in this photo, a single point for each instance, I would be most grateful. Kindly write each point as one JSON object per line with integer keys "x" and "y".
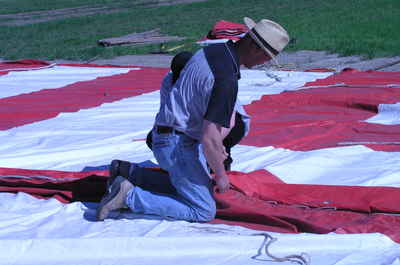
{"x": 206, "y": 214}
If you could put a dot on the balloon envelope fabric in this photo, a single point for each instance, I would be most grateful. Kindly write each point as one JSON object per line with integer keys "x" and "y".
{"x": 319, "y": 170}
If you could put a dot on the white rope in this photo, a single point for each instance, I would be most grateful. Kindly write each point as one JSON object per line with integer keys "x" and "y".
{"x": 274, "y": 76}
{"x": 268, "y": 70}
{"x": 353, "y": 86}
{"x": 40, "y": 177}
{"x": 356, "y": 143}
{"x": 302, "y": 259}
{"x": 28, "y": 69}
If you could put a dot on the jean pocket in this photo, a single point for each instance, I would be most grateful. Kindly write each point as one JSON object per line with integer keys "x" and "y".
{"x": 188, "y": 142}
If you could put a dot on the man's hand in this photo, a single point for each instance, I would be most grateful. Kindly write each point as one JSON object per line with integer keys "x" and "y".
{"x": 222, "y": 183}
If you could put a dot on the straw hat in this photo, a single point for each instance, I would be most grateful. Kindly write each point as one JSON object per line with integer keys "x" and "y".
{"x": 269, "y": 35}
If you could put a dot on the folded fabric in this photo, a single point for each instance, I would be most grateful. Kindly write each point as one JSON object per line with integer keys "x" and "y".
{"x": 257, "y": 200}
{"x": 227, "y": 30}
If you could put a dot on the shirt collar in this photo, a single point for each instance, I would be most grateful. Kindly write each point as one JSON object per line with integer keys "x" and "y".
{"x": 231, "y": 47}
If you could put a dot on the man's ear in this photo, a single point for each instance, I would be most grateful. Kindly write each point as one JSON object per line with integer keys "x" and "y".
{"x": 254, "y": 44}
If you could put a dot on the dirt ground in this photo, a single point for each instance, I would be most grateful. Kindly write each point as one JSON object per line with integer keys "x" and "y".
{"x": 300, "y": 60}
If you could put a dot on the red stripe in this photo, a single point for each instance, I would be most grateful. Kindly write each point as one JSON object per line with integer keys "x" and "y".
{"x": 48, "y": 103}
{"x": 321, "y": 117}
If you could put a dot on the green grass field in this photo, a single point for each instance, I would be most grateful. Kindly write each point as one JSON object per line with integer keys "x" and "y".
{"x": 347, "y": 27}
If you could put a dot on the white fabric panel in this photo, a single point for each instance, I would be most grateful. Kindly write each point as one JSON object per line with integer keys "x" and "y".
{"x": 256, "y": 83}
{"x": 351, "y": 165}
{"x": 388, "y": 114}
{"x": 45, "y": 232}
{"x": 16, "y": 83}
{"x": 95, "y": 136}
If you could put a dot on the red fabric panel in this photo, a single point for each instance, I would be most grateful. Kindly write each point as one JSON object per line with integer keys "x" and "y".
{"x": 353, "y": 198}
{"x": 265, "y": 206}
{"x": 5, "y": 67}
{"x": 254, "y": 179}
{"x": 255, "y": 213}
{"x": 27, "y": 63}
{"x": 48, "y": 103}
{"x": 322, "y": 117}
{"x": 296, "y": 208}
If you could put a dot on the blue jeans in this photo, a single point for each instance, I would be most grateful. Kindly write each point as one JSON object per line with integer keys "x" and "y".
{"x": 185, "y": 192}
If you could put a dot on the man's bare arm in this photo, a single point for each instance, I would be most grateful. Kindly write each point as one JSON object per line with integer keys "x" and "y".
{"x": 226, "y": 131}
{"x": 215, "y": 153}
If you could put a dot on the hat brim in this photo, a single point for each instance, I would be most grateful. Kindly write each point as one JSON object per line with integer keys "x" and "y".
{"x": 249, "y": 22}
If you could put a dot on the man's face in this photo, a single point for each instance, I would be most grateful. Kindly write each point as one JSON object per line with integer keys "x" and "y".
{"x": 256, "y": 56}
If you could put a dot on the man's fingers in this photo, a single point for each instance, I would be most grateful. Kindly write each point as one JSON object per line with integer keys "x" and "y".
{"x": 221, "y": 190}
{"x": 222, "y": 184}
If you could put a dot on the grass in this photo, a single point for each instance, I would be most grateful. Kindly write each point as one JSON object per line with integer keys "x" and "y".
{"x": 347, "y": 27}
{"x": 17, "y": 6}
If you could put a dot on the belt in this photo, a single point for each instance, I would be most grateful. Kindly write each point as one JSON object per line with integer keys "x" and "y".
{"x": 166, "y": 129}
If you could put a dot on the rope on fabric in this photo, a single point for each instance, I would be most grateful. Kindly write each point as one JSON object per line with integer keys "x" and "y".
{"x": 302, "y": 259}
{"x": 29, "y": 69}
{"x": 353, "y": 86}
{"x": 273, "y": 76}
{"x": 361, "y": 143}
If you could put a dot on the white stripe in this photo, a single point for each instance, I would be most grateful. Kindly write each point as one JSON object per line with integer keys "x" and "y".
{"x": 352, "y": 165}
{"x": 254, "y": 84}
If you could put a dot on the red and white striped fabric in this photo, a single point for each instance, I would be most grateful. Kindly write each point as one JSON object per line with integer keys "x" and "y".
{"x": 223, "y": 31}
{"x": 299, "y": 175}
